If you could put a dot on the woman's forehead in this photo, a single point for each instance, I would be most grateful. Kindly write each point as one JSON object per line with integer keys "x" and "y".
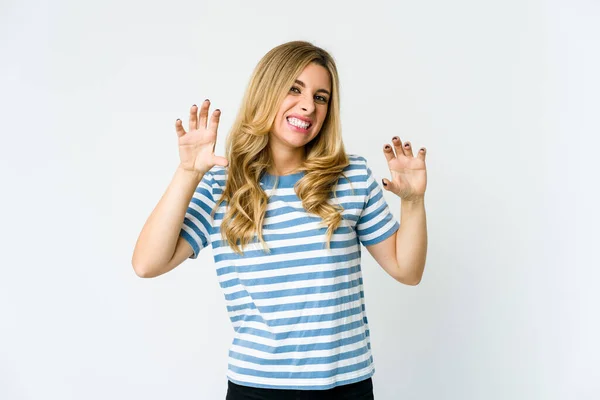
{"x": 315, "y": 76}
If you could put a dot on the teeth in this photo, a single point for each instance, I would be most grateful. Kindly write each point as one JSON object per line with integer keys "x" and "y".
{"x": 298, "y": 123}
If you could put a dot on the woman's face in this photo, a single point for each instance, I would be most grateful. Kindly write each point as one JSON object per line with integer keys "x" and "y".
{"x": 302, "y": 111}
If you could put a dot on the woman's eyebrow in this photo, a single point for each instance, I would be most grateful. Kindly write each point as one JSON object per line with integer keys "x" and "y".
{"x": 300, "y": 83}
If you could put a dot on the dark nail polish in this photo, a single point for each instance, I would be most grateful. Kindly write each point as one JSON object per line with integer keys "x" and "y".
{"x": 406, "y": 145}
{"x": 387, "y": 146}
{"x": 384, "y": 184}
{"x": 395, "y": 138}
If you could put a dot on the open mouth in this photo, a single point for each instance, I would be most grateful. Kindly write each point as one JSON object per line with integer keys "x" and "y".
{"x": 298, "y": 123}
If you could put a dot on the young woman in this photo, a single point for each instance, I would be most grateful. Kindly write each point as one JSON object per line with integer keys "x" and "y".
{"x": 285, "y": 212}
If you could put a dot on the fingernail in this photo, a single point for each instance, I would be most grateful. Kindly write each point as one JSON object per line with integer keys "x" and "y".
{"x": 206, "y": 100}
{"x": 395, "y": 138}
{"x": 387, "y": 146}
{"x": 384, "y": 184}
{"x": 218, "y": 109}
{"x": 193, "y": 105}
{"x": 406, "y": 145}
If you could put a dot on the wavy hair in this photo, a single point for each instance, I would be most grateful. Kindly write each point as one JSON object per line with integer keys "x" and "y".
{"x": 249, "y": 154}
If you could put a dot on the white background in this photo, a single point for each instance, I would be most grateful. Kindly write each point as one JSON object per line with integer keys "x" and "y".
{"x": 504, "y": 95}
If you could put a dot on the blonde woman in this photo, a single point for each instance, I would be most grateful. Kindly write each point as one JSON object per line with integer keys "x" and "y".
{"x": 285, "y": 212}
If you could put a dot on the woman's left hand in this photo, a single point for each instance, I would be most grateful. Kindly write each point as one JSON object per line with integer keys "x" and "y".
{"x": 409, "y": 174}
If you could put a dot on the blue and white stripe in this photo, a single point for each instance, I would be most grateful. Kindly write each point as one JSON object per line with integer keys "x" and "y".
{"x": 298, "y": 313}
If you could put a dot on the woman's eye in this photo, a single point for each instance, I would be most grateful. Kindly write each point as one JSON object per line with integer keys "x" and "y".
{"x": 295, "y": 89}
{"x": 321, "y": 98}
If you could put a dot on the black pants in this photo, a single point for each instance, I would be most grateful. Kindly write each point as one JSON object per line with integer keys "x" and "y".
{"x": 362, "y": 390}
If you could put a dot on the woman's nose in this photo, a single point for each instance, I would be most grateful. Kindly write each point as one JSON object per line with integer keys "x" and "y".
{"x": 307, "y": 106}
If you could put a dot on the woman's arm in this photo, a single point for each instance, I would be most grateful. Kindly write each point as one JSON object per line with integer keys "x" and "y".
{"x": 158, "y": 241}
{"x": 159, "y": 247}
{"x": 403, "y": 254}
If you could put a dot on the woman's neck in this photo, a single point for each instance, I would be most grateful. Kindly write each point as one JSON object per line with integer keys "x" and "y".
{"x": 286, "y": 162}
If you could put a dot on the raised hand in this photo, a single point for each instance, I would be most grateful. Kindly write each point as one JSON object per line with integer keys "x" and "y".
{"x": 409, "y": 174}
{"x": 197, "y": 147}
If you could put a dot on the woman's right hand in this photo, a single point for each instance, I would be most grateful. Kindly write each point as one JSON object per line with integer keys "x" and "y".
{"x": 197, "y": 147}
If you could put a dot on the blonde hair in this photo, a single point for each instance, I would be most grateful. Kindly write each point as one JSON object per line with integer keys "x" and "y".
{"x": 249, "y": 154}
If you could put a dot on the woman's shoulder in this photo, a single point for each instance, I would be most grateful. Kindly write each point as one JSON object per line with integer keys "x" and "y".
{"x": 216, "y": 176}
{"x": 356, "y": 159}
{"x": 356, "y": 162}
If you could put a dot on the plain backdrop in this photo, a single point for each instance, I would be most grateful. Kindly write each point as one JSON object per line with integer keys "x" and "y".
{"x": 504, "y": 95}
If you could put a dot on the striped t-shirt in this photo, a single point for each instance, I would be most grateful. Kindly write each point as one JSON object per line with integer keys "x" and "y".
{"x": 298, "y": 313}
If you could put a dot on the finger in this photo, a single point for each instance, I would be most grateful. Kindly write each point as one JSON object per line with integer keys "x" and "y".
{"x": 179, "y": 128}
{"x": 398, "y": 145}
{"x": 193, "y": 124}
{"x": 204, "y": 114}
{"x": 214, "y": 120}
{"x": 388, "y": 152}
{"x": 387, "y": 184}
{"x": 214, "y": 125}
{"x": 222, "y": 161}
{"x": 422, "y": 153}
{"x": 408, "y": 149}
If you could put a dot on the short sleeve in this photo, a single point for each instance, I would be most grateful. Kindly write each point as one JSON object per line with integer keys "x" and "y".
{"x": 198, "y": 222}
{"x": 376, "y": 223}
